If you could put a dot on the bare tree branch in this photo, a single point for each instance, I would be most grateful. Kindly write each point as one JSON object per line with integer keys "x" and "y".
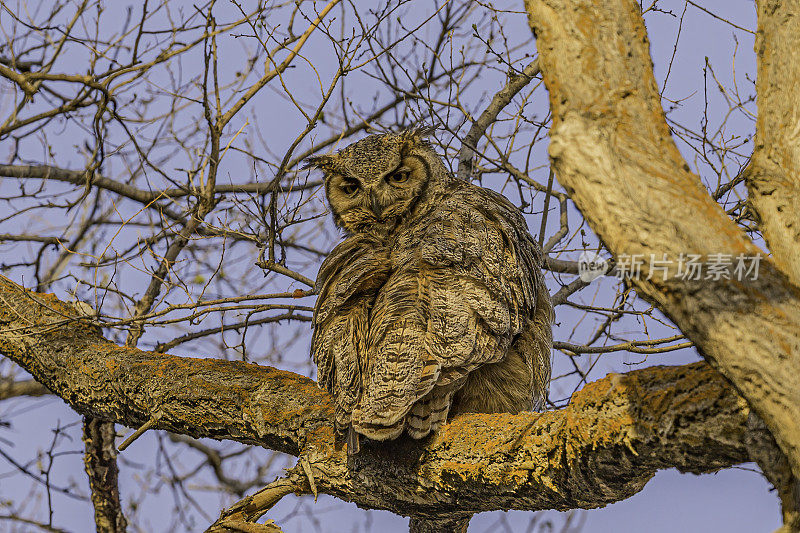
{"x": 516, "y": 82}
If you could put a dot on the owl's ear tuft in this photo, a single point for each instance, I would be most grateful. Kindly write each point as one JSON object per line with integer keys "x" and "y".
{"x": 415, "y": 137}
{"x": 325, "y": 163}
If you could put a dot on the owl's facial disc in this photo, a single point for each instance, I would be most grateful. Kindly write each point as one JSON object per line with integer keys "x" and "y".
{"x": 376, "y": 201}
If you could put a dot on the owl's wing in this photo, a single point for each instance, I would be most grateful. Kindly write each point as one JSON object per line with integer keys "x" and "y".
{"x": 347, "y": 282}
{"x": 454, "y": 303}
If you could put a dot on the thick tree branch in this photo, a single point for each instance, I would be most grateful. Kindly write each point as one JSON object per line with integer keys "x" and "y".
{"x": 78, "y": 177}
{"x": 28, "y": 387}
{"x": 146, "y": 197}
{"x": 612, "y": 150}
{"x": 611, "y": 439}
{"x": 773, "y": 177}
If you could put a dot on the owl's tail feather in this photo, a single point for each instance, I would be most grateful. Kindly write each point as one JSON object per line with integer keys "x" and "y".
{"x": 428, "y": 414}
{"x": 377, "y": 431}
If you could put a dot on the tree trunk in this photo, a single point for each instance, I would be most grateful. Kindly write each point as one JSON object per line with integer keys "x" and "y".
{"x": 100, "y": 459}
{"x": 612, "y": 150}
{"x": 773, "y": 177}
{"x": 438, "y": 525}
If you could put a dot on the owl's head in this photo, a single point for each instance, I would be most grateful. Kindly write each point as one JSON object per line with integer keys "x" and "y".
{"x": 373, "y": 184}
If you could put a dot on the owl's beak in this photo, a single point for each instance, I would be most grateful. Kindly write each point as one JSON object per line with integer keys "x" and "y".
{"x": 375, "y": 204}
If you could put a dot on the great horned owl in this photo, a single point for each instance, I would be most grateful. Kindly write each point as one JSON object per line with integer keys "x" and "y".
{"x": 434, "y": 303}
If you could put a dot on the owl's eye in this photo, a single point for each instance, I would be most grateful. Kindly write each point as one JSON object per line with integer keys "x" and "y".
{"x": 401, "y": 176}
{"x": 349, "y": 187}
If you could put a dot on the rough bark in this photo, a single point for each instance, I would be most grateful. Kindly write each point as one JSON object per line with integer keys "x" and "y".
{"x": 611, "y": 439}
{"x": 773, "y": 177}
{"x": 445, "y": 525}
{"x": 612, "y": 150}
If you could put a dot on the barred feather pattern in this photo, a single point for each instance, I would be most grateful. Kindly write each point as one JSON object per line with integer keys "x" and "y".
{"x": 434, "y": 303}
